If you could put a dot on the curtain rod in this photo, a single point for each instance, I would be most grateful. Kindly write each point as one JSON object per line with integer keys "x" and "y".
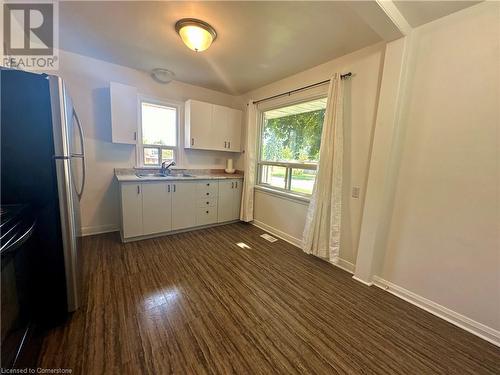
{"x": 342, "y": 76}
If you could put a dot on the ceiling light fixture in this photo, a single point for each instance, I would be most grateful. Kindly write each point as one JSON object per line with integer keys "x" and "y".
{"x": 161, "y": 75}
{"x": 196, "y": 34}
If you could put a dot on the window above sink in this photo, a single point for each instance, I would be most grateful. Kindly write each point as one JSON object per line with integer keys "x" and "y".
{"x": 158, "y": 132}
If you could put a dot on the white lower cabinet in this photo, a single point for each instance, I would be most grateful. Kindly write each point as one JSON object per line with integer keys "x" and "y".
{"x": 150, "y": 208}
{"x": 206, "y": 198}
{"x": 206, "y": 215}
{"x": 238, "y": 188}
{"x": 156, "y": 207}
{"x": 131, "y": 201}
{"x": 183, "y": 205}
{"x": 229, "y": 200}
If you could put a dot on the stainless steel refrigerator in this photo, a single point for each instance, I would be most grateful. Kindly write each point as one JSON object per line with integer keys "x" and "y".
{"x": 43, "y": 165}
{"x": 69, "y": 157}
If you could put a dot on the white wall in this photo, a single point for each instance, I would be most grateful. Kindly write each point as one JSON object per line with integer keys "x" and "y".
{"x": 361, "y": 94}
{"x": 88, "y": 83}
{"x": 384, "y": 159}
{"x": 443, "y": 242}
{"x": 283, "y": 215}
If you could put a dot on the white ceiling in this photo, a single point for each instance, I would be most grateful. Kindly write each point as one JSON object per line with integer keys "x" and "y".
{"x": 258, "y": 42}
{"x": 419, "y": 12}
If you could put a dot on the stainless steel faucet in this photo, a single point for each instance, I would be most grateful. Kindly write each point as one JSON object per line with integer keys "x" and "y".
{"x": 165, "y": 167}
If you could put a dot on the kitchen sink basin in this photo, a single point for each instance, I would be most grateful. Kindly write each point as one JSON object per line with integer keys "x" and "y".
{"x": 146, "y": 175}
{"x": 142, "y": 175}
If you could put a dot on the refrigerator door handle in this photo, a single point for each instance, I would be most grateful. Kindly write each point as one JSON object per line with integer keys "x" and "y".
{"x": 80, "y": 130}
{"x": 68, "y": 231}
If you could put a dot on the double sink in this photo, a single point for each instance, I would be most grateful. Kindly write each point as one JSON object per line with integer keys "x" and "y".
{"x": 163, "y": 175}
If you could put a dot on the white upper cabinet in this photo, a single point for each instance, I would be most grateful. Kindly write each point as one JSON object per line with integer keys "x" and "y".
{"x": 219, "y": 127}
{"x": 199, "y": 117}
{"x": 124, "y": 113}
{"x": 212, "y": 127}
{"x": 233, "y": 129}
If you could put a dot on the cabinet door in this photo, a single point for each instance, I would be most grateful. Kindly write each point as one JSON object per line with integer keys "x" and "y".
{"x": 183, "y": 205}
{"x": 131, "y": 200}
{"x": 225, "y": 210}
{"x": 220, "y": 124}
{"x": 234, "y": 129}
{"x": 237, "y": 199}
{"x": 198, "y": 124}
{"x": 156, "y": 207}
{"x": 123, "y": 113}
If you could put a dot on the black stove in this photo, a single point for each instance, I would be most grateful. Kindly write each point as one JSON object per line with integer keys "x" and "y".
{"x": 16, "y": 226}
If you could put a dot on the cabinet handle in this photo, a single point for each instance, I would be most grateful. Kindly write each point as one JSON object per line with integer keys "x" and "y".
{"x": 207, "y": 212}
{"x": 168, "y": 188}
{"x": 192, "y": 141}
{"x": 138, "y": 189}
{"x": 208, "y": 202}
{"x": 232, "y": 185}
{"x": 225, "y": 144}
{"x": 174, "y": 188}
{"x": 208, "y": 184}
{"x": 236, "y": 184}
{"x": 208, "y": 193}
{"x": 135, "y": 136}
{"x": 228, "y": 144}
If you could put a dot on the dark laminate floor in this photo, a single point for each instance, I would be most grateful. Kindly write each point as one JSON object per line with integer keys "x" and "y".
{"x": 196, "y": 303}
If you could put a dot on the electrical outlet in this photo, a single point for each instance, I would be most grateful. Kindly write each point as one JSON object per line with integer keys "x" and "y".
{"x": 355, "y": 192}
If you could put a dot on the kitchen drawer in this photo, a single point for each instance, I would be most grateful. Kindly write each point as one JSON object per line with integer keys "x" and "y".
{"x": 207, "y": 202}
{"x": 206, "y": 215}
{"x": 207, "y": 189}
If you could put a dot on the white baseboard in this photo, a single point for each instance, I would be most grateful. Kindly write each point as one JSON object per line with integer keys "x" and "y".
{"x": 362, "y": 281}
{"x": 487, "y": 333}
{"x": 99, "y": 229}
{"x": 278, "y": 233}
{"x": 343, "y": 264}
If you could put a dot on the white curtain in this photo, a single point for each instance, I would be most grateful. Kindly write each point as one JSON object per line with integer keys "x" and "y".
{"x": 322, "y": 230}
{"x": 246, "y": 211}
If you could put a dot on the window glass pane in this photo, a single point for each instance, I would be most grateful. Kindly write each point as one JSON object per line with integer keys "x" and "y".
{"x": 303, "y": 180}
{"x": 167, "y": 155}
{"x": 151, "y": 156}
{"x": 293, "y": 133}
{"x": 273, "y": 175}
{"x": 159, "y": 125}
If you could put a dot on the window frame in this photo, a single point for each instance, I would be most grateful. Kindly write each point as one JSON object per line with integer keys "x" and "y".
{"x": 314, "y": 94}
{"x": 141, "y": 146}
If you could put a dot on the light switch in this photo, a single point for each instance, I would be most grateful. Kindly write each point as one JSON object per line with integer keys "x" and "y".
{"x": 355, "y": 192}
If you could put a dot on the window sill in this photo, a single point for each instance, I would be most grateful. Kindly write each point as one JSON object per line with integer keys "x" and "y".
{"x": 283, "y": 194}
